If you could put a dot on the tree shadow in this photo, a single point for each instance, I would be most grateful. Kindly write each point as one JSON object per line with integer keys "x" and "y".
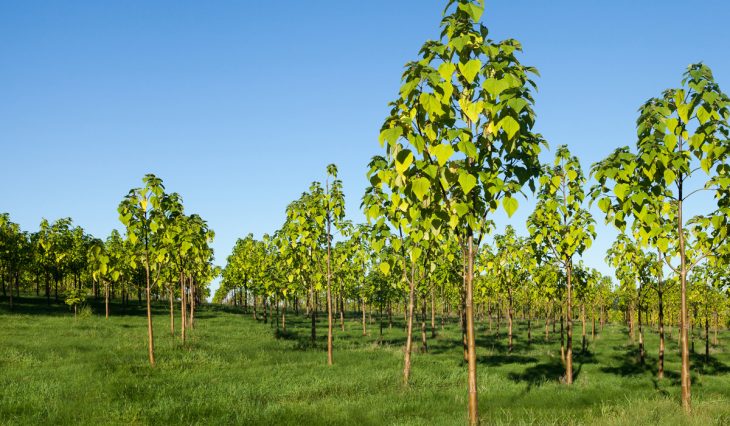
{"x": 547, "y": 372}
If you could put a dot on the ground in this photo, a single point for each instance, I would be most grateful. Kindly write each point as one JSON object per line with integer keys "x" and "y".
{"x": 234, "y": 370}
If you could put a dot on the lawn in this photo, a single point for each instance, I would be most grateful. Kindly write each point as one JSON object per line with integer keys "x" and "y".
{"x": 59, "y": 370}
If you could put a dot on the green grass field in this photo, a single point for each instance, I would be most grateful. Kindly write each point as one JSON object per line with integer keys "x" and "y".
{"x": 234, "y": 370}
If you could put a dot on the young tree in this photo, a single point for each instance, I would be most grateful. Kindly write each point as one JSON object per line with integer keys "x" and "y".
{"x": 464, "y": 122}
{"x": 682, "y": 140}
{"x": 140, "y": 212}
{"x": 562, "y": 228}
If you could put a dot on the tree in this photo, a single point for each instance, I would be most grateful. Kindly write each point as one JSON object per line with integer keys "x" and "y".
{"x": 140, "y": 211}
{"x": 562, "y": 228}
{"x": 682, "y": 140}
{"x": 462, "y": 125}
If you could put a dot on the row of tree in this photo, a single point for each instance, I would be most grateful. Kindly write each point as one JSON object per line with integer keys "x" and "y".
{"x": 163, "y": 252}
{"x": 459, "y": 144}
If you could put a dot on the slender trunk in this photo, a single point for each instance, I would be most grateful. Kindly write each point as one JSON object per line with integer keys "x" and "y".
{"x": 685, "y": 375}
{"x": 364, "y": 327}
{"x": 172, "y": 313}
{"x": 329, "y": 296}
{"x": 151, "y": 346}
{"x": 192, "y": 303}
{"x": 660, "y": 295}
{"x": 707, "y": 336}
{"x": 717, "y": 325}
{"x": 509, "y": 319}
{"x": 283, "y": 317}
{"x": 106, "y": 299}
{"x": 641, "y": 335}
{"x": 433, "y": 315}
{"x": 583, "y": 324}
{"x": 472, "y": 356}
{"x": 562, "y": 336}
{"x": 424, "y": 344}
{"x": 342, "y": 313}
{"x": 409, "y": 326}
{"x": 593, "y": 321}
{"x": 529, "y": 325}
{"x": 11, "y": 293}
{"x": 183, "y": 310}
{"x": 313, "y": 316}
{"x": 547, "y": 321}
{"x": 569, "y": 327}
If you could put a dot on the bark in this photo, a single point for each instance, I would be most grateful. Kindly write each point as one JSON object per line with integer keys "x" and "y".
{"x": 342, "y": 313}
{"x": 283, "y": 317}
{"x": 509, "y": 319}
{"x": 433, "y": 315}
{"x": 685, "y": 374}
{"x": 569, "y": 327}
{"x": 583, "y": 324}
{"x": 183, "y": 310}
{"x": 424, "y": 343}
{"x": 660, "y": 295}
{"x": 172, "y": 313}
{"x": 330, "y": 360}
{"x": 472, "y": 355}
{"x": 364, "y": 326}
{"x": 151, "y": 346}
{"x": 562, "y": 336}
{"x": 106, "y": 299}
{"x": 409, "y": 326}
{"x": 642, "y": 357}
{"x": 313, "y": 317}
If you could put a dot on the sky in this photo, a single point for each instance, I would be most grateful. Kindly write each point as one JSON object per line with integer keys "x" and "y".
{"x": 240, "y": 105}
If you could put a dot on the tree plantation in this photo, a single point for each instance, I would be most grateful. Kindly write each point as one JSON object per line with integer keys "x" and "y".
{"x": 432, "y": 304}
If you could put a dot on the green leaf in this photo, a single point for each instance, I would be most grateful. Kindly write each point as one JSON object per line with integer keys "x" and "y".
{"x": 442, "y": 152}
{"x": 446, "y": 70}
{"x": 403, "y": 160}
{"x": 420, "y": 187}
{"x": 390, "y": 135}
{"x": 467, "y": 182}
{"x": 669, "y": 176}
{"x": 604, "y": 204}
{"x": 494, "y": 87}
{"x": 470, "y": 69}
{"x": 510, "y": 205}
{"x": 510, "y": 125}
{"x": 620, "y": 190}
{"x": 385, "y": 268}
{"x": 474, "y": 11}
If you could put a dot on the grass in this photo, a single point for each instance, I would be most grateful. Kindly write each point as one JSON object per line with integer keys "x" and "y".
{"x": 59, "y": 370}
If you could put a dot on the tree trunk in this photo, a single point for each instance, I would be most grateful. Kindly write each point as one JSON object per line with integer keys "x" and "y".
{"x": 685, "y": 374}
{"x": 313, "y": 316}
{"x": 106, "y": 299}
{"x": 364, "y": 326}
{"x": 471, "y": 344}
{"x": 641, "y": 335}
{"x": 151, "y": 346}
{"x": 433, "y": 315}
{"x": 509, "y": 319}
{"x": 583, "y": 325}
{"x": 707, "y": 336}
{"x": 424, "y": 343}
{"x": 660, "y": 296}
{"x": 172, "y": 312}
{"x": 329, "y": 296}
{"x": 409, "y": 326}
{"x": 569, "y": 327}
{"x": 562, "y": 335}
{"x": 192, "y": 303}
{"x": 183, "y": 308}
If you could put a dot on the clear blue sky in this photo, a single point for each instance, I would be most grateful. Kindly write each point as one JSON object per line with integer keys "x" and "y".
{"x": 239, "y": 105}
